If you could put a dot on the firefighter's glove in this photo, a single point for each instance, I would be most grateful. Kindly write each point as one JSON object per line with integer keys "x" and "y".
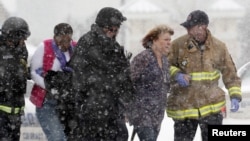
{"x": 234, "y": 105}
{"x": 182, "y": 79}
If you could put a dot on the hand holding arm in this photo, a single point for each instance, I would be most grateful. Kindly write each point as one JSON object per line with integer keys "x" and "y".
{"x": 182, "y": 79}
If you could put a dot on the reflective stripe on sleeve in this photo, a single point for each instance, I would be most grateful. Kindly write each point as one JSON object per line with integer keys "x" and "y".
{"x": 11, "y": 110}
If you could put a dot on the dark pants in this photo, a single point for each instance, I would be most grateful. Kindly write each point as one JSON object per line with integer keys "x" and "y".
{"x": 122, "y": 130}
{"x": 66, "y": 115}
{"x": 147, "y": 133}
{"x": 99, "y": 130}
{"x": 184, "y": 130}
{"x": 10, "y": 125}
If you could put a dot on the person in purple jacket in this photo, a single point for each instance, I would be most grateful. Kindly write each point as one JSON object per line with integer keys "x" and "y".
{"x": 150, "y": 77}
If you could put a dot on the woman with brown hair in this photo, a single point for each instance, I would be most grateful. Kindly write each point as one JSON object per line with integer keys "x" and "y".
{"x": 150, "y": 77}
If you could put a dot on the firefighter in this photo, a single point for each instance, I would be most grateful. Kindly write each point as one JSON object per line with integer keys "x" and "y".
{"x": 13, "y": 76}
{"x": 197, "y": 60}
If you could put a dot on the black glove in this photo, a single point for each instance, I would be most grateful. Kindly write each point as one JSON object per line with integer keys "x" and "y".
{"x": 58, "y": 80}
{"x": 50, "y": 79}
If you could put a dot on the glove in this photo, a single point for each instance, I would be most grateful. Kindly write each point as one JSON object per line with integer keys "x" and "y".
{"x": 234, "y": 105}
{"x": 181, "y": 80}
{"x": 50, "y": 79}
{"x": 57, "y": 79}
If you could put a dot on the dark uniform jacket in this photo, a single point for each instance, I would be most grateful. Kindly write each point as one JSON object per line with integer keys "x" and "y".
{"x": 101, "y": 81}
{"x": 13, "y": 77}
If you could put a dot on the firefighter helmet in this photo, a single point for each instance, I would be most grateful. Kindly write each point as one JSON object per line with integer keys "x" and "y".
{"x": 109, "y": 16}
{"x": 15, "y": 27}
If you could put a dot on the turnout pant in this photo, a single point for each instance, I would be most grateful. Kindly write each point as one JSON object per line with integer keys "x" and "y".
{"x": 185, "y": 130}
{"x": 10, "y": 126}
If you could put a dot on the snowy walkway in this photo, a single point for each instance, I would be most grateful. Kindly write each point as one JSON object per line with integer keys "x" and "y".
{"x": 167, "y": 132}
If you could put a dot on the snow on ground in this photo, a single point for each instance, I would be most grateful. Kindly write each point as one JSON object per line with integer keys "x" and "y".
{"x": 167, "y": 130}
{"x": 166, "y": 133}
{"x": 34, "y": 133}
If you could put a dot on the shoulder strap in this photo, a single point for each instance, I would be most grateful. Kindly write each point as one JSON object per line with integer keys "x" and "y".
{"x": 38, "y": 94}
{"x": 48, "y": 56}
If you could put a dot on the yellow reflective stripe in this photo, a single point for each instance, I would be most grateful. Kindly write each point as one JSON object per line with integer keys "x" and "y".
{"x": 211, "y": 108}
{"x": 194, "y": 113}
{"x": 173, "y": 70}
{"x": 8, "y": 109}
{"x": 182, "y": 114}
{"x": 199, "y": 76}
{"x": 234, "y": 90}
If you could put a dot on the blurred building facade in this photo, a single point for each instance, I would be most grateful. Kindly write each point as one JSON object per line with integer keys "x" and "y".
{"x": 3, "y": 13}
{"x": 224, "y": 16}
{"x": 142, "y": 15}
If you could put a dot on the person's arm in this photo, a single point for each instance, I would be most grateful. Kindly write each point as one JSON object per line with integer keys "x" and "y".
{"x": 229, "y": 76}
{"x": 175, "y": 72}
{"x": 36, "y": 66}
{"x": 231, "y": 80}
{"x": 138, "y": 64}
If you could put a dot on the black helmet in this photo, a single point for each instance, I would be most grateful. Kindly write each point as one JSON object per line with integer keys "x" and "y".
{"x": 15, "y": 27}
{"x": 109, "y": 16}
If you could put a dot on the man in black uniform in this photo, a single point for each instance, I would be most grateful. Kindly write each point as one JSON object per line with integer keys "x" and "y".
{"x": 13, "y": 76}
{"x": 101, "y": 81}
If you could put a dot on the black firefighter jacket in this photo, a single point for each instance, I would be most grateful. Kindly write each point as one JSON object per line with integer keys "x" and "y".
{"x": 13, "y": 77}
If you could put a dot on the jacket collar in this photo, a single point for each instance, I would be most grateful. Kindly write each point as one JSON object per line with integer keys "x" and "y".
{"x": 192, "y": 45}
